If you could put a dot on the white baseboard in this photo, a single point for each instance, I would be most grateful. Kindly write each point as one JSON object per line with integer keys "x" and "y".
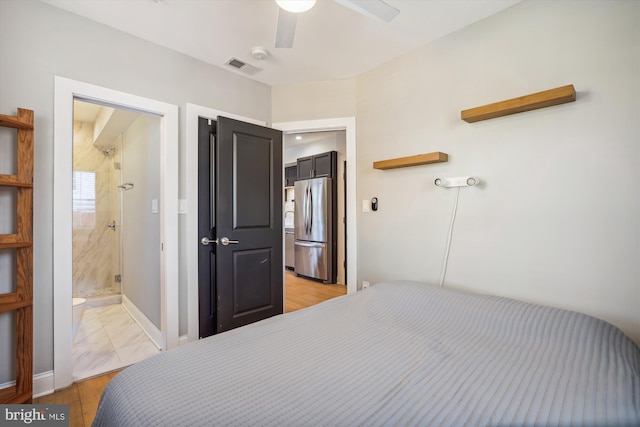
{"x": 42, "y": 384}
{"x": 147, "y": 325}
{"x": 93, "y": 302}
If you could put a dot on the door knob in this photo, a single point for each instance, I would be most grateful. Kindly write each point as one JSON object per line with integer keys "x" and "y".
{"x": 225, "y": 241}
{"x": 205, "y": 241}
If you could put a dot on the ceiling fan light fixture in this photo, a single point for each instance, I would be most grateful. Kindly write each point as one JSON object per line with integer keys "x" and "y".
{"x": 296, "y": 6}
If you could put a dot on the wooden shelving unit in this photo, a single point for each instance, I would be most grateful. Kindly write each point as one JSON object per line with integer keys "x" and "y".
{"x": 403, "y": 162}
{"x": 21, "y": 301}
{"x": 547, "y": 98}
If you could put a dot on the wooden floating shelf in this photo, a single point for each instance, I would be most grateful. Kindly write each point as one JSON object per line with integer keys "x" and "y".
{"x": 403, "y": 162}
{"x": 547, "y": 98}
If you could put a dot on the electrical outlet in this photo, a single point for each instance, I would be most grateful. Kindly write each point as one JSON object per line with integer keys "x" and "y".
{"x": 365, "y": 285}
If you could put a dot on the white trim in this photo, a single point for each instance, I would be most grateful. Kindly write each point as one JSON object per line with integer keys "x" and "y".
{"x": 147, "y": 326}
{"x": 66, "y": 91}
{"x": 94, "y": 302}
{"x": 348, "y": 124}
{"x": 42, "y": 384}
{"x": 193, "y": 112}
{"x": 184, "y": 339}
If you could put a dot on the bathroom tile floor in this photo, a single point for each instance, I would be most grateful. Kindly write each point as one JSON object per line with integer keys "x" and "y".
{"x": 108, "y": 339}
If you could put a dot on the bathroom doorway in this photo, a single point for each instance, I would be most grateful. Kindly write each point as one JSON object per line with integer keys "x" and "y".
{"x": 115, "y": 238}
{"x": 167, "y": 329}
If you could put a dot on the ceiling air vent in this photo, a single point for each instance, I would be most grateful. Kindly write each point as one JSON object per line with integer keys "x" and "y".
{"x": 242, "y": 66}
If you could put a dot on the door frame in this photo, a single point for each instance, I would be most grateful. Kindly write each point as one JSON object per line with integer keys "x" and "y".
{"x": 192, "y": 240}
{"x": 66, "y": 90}
{"x": 190, "y": 244}
{"x": 347, "y": 124}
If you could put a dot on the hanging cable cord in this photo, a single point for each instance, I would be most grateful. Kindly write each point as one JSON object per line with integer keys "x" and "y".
{"x": 446, "y": 254}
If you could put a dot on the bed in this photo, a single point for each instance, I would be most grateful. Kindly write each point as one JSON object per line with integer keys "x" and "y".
{"x": 399, "y": 353}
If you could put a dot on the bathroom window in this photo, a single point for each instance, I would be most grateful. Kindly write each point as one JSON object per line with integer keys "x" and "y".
{"x": 84, "y": 199}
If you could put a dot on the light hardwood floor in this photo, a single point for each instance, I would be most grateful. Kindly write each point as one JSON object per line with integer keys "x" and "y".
{"x": 301, "y": 293}
{"x": 83, "y": 397}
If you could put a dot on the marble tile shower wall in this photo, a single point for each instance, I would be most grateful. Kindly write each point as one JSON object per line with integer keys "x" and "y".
{"x": 95, "y": 245}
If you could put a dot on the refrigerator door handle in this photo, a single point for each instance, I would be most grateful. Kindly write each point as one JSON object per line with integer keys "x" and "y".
{"x": 304, "y": 210}
{"x": 307, "y": 198}
{"x": 310, "y": 244}
{"x": 310, "y": 210}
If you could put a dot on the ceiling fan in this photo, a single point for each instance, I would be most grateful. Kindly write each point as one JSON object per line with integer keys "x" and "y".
{"x": 289, "y": 9}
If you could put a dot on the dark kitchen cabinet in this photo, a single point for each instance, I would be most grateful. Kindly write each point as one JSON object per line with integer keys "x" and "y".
{"x": 318, "y": 166}
{"x": 290, "y": 175}
{"x": 305, "y": 168}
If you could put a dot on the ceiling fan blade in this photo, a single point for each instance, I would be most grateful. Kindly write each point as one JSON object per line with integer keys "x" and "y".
{"x": 286, "y": 28}
{"x": 376, "y": 9}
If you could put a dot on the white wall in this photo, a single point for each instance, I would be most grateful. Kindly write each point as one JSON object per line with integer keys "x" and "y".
{"x": 556, "y": 220}
{"x": 38, "y": 42}
{"x": 141, "y": 251}
{"x": 315, "y": 100}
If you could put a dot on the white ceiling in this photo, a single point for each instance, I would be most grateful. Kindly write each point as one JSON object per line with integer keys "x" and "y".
{"x": 331, "y": 42}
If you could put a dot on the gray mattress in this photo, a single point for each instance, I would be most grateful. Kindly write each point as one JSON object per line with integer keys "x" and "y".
{"x": 400, "y": 353}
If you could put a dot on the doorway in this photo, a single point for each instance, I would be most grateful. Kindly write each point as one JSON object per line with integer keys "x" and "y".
{"x": 66, "y": 91}
{"x": 305, "y": 145}
{"x": 115, "y": 238}
{"x": 348, "y": 125}
{"x": 191, "y": 244}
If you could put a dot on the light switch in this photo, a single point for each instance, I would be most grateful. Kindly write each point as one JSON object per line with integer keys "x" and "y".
{"x": 182, "y": 206}
{"x": 365, "y": 206}
{"x": 154, "y": 206}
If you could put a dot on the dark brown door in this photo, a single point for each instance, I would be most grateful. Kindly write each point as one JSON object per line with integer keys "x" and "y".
{"x": 245, "y": 262}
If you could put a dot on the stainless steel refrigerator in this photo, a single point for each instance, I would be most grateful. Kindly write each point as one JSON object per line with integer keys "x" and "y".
{"x": 313, "y": 228}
